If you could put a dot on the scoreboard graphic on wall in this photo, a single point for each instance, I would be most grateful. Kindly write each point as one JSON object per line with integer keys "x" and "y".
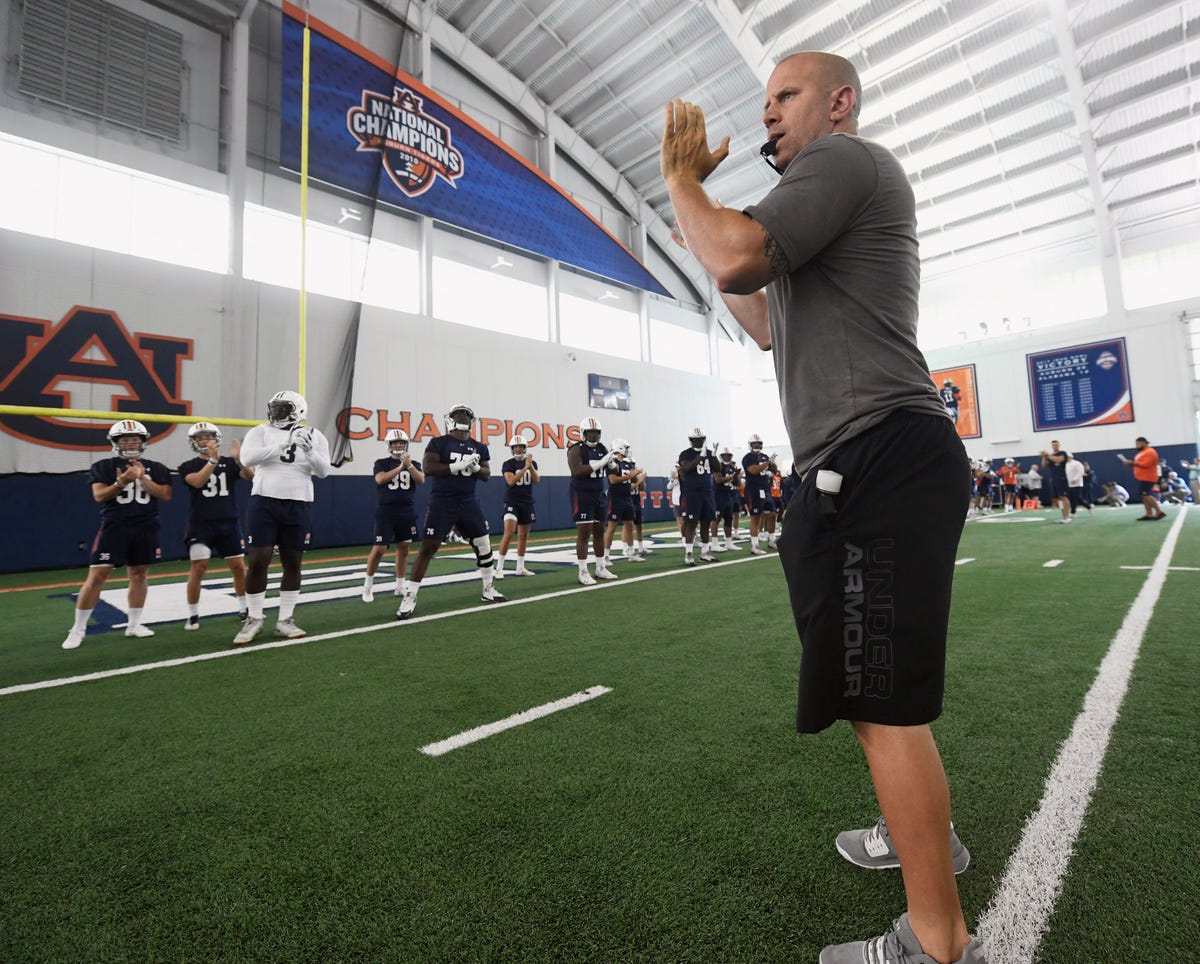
{"x": 1080, "y": 386}
{"x": 605, "y": 391}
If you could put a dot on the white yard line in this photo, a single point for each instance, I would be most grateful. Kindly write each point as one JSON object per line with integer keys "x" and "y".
{"x": 963, "y": 562}
{"x": 517, "y": 719}
{"x": 360, "y": 630}
{"x": 1017, "y": 917}
{"x": 1052, "y": 563}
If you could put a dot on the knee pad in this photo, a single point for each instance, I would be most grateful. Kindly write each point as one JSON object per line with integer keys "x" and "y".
{"x": 483, "y": 551}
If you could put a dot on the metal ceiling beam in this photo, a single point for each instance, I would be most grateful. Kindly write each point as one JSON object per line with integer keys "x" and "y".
{"x": 479, "y": 17}
{"x": 530, "y": 27}
{"x": 624, "y": 53}
{"x": 1110, "y": 256}
{"x": 1120, "y": 20}
{"x": 667, "y": 66}
{"x": 709, "y": 119}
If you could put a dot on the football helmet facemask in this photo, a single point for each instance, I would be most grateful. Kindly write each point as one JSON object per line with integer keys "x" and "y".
{"x": 121, "y": 434}
{"x": 286, "y": 409}
{"x": 460, "y": 418}
{"x": 396, "y": 441}
{"x": 697, "y": 437}
{"x": 590, "y": 430}
{"x": 199, "y": 435}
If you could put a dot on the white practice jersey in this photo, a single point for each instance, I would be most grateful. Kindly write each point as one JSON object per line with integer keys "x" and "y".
{"x": 282, "y": 469}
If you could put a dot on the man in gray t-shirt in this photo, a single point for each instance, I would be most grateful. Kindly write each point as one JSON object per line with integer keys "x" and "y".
{"x": 825, "y": 272}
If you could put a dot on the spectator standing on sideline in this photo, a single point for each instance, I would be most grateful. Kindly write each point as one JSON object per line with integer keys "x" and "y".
{"x": 1035, "y": 483}
{"x": 834, "y": 245}
{"x": 1075, "y": 489}
{"x": 1145, "y": 472}
{"x": 395, "y": 510}
{"x": 128, "y": 488}
{"x": 214, "y": 523}
{"x": 286, "y": 455}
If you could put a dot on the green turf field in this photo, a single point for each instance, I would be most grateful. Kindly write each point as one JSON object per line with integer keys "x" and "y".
{"x": 275, "y": 804}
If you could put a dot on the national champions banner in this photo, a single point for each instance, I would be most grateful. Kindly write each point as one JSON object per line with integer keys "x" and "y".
{"x": 378, "y": 132}
{"x": 1080, "y": 386}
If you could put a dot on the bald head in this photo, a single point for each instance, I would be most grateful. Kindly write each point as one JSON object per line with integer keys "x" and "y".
{"x": 833, "y": 72}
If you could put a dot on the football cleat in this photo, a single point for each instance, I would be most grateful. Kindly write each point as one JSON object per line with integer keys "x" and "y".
{"x": 606, "y": 573}
{"x": 755, "y": 551}
{"x": 706, "y": 557}
{"x": 288, "y": 629}
{"x": 128, "y": 437}
{"x": 74, "y": 639}
{"x": 250, "y": 628}
{"x": 244, "y": 615}
{"x": 193, "y": 623}
{"x": 368, "y": 594}
{"x": 522, "y": 571}
{"x": 407, "y": 606}
{"x": 492, "y": 595}
{"x": 139, "y": 632}
{"x": 689, "y": 561}
{"x": 586, "y": 578}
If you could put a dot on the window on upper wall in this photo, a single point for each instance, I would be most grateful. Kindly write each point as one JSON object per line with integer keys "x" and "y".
{"x": 596, "y": 325}
{"x": 338, "y": 263}
{"x": 57, "y": 194}
{"x": 1158, "y": 277}
{"x": 486, "y": 285}
{"x": 679, "y": 338}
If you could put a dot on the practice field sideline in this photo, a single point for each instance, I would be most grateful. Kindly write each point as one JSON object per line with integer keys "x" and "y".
{"x": 277, "y": 805}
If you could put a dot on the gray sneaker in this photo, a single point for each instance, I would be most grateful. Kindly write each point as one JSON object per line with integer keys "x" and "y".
{"x": 898, "y": 946}
{"x": 288, "y": 629}
{"x": 872, "y": 848}
{"x": 250, "y": 628}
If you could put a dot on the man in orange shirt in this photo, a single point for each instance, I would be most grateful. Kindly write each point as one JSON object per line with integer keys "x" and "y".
{"x": 1145, "y": 471}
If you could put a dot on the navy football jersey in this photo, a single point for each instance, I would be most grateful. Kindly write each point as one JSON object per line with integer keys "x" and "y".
{"x": 216, "y": 500}
{"x": 133, "y": 504}
{"x": 756, "y": 482}
{"x": 699, "y": 476}
{"x": 522, "y": 489}
{"x": 594, "y": 482}
{"x": 730, "y": 470}
{"x": 451, "y": 450}
{"x": 399, "y": 493}
{"x": 949, "y": 396}
{"x": 620, "y": 490}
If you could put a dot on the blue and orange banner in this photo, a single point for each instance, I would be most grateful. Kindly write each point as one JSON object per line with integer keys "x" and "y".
{"x": 1080, "y": 386}
{"x": 380, "y": 133}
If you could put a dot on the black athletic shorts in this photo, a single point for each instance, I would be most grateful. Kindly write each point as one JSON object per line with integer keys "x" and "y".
{"x": 869, "y": 573}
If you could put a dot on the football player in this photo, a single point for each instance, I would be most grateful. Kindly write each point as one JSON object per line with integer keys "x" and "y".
{"x": 521, "y": 475}
{"x": 697, "y": 504}
{"x": 396, "y": 477}
{"x": 589, "y": 461}
{"x": 129, "y": 488}
{"x": 286, "y": 456}
{"x": 214, "y": 522}
{"x": 728, "y": 479}
{"x": 455, "y": 462}
{"x": 759, "y": 467}
{"x": 620, "y": 502}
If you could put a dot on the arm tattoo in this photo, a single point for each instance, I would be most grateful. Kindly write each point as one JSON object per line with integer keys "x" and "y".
{"x": 777, "y": 261}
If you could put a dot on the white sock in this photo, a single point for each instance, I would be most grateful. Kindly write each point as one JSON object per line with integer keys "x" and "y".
{"x": 520, "y": 562}
{"x": 254, "y": 601}
{"x": 582, "y": 567}
{"x": 81, "y": 620}
{"x": 287, "y": 602}
{"x": 135, "y": 618}
{"x": 368, "y": 580}
{"x": 411, "y": 589}
{"x": 193, "y": 609}
{"x": 401, "y": 586}
{"x": 754, "y": 542}
{"x": 241, "y": 603}
{"x": 689, "y": 547}
{"x": 488, "y": 575}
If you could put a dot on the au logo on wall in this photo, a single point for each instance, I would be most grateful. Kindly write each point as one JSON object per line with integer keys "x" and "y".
{"x": 957, "y": 389}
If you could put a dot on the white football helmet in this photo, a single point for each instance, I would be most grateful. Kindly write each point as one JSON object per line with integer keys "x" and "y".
{"x": 755, "y": 443}
{"x": 1008, "y": 462}
{"x": 199, "y": 429}
{"x": 697, "y": 437}
{"x": 286, "y": 409}
{"x": 518, "y": 441}
{"x": 590, "y": 426}
{"x": 725, "y": 450}
{"x": 460, "y": 418}
{"x": 396, "y": 441}
{"x": 123, "y": 429}
{"x": 620, "y": 446}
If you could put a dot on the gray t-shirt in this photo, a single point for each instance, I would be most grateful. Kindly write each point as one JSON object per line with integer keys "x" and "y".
{"x": 844, "y": 321}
